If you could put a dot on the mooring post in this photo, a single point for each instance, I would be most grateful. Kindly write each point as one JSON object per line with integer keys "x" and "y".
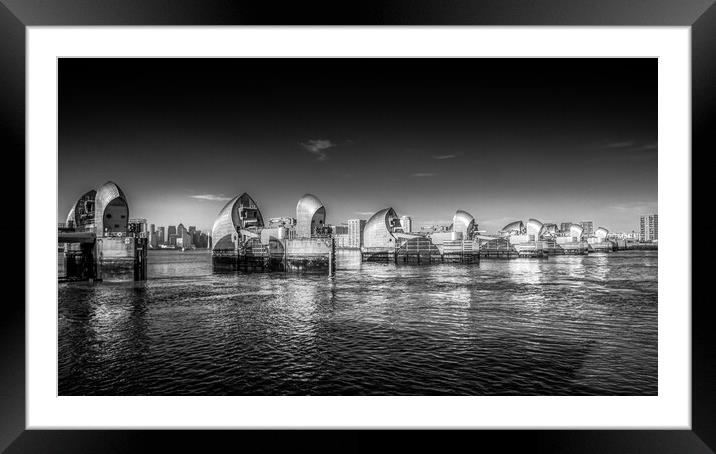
{"x": 141, "y": 245}
{"x": 285, "y": 255}
{"x": 332, "y": 258}
{"x": 97, "y": 260}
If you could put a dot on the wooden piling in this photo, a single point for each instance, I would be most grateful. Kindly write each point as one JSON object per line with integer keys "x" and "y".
{"x": 332, "y": 258}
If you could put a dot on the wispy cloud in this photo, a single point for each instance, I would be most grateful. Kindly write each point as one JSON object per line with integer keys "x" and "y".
{"x": 422, "y": 174}
{"x": 630, "y": 145}
{"x": 629, "y": 150}
{"x": 211, "y": 197}
{"x": 318, "y": 147}
{"x": 430, "y": 223}
{"x": 636, "y": 207}
{"x": 624, "y": 144}
{"x": 444, "y": 156}
{"x": 365, "y": 213}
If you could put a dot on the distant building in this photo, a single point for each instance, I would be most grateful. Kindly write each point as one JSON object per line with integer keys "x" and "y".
{"x": 407, "y": 223}
{"x": 181, "y": 230}
{"x": 588, "y": 227}
{"x": 198, "y": 238}
{"x": 355, "y": 232}
{"x": 564, "y": 227}
{"x": 340, "y": 229}
{"x": 204, "y": 241}
{"x": 633, "y": 235}
{"x": 342, "y": 240}
{"x": 153, "y": 239}
{"x": 183, "y": 240}
{"x": 160, "y": 235}
{"x": 649, "y": 227}
{"x": 172, "y": 235}
{"x": 152, "y": 236}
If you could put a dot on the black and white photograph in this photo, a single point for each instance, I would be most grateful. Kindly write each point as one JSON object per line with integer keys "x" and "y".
{"x": 357, "y": 226}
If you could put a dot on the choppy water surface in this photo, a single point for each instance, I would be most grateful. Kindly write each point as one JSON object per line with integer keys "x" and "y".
{"x": 562, "y": 326}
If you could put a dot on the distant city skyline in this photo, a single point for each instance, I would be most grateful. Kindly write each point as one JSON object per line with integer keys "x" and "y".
{"x": 559, "y": 140}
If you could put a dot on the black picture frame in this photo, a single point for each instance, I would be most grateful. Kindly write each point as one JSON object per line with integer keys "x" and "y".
{"x": 16, "y": 15}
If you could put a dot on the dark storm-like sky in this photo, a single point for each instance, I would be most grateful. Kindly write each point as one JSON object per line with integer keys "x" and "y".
{"x": 505, "y": 139}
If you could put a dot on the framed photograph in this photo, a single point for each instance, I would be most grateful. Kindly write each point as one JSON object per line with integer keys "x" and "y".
{"x": 435, "y": 218}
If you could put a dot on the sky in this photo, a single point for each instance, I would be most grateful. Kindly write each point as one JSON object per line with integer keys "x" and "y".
{"x": 559, "y": 140}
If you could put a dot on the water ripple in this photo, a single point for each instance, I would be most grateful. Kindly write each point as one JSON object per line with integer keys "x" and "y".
{"x": 562, "y": 326}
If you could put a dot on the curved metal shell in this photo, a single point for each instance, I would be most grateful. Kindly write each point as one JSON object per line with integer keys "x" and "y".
{"x": 535, "y": 227}
{"x": 517, "y": 226}
{"x": 378, "y": 231}
{"x": 575, "y": 230}
{"x": 310, "y": 215}
{"x": 70, "y": 222}
{"x": 241, "y": 212}
{"x": 550, "y": 228}
{"x": 601, "y": 232}
{"x": 82, "y": 213}
{"x": 463, "y": 222}
{"x": 111, "y": 212}
{"x": 224, "y": 227}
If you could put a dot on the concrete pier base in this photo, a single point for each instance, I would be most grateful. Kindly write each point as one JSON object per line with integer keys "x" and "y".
{"x": 568, "y": 249}
{"x": 498, "y": 254}
{"x": 113, "y": 259}
{"x": 466, "y": 258}
{"x": 605, "y": 246}
{"x": 418, "y": 258}
{"x": 301, "y": 255}
{"x": 225, "y": 260}
{"x": 79, "y": 261}
{"x": 121, "y": 259}
{"x": 380, "y": 256}
{"x": 310, "y": 255}
{"x": 425, "y": 257}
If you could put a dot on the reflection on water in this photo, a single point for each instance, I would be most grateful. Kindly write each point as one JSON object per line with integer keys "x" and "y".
{"x": 562, "y": 326}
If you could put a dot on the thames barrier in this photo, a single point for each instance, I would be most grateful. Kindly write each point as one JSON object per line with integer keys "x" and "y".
{"x": 101, "y": 243}
{"x": 306, "y": 243}
{"x": 241, "y": 240}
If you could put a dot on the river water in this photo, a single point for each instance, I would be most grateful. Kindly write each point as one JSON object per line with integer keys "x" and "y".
{"x": 566, "y": 325}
